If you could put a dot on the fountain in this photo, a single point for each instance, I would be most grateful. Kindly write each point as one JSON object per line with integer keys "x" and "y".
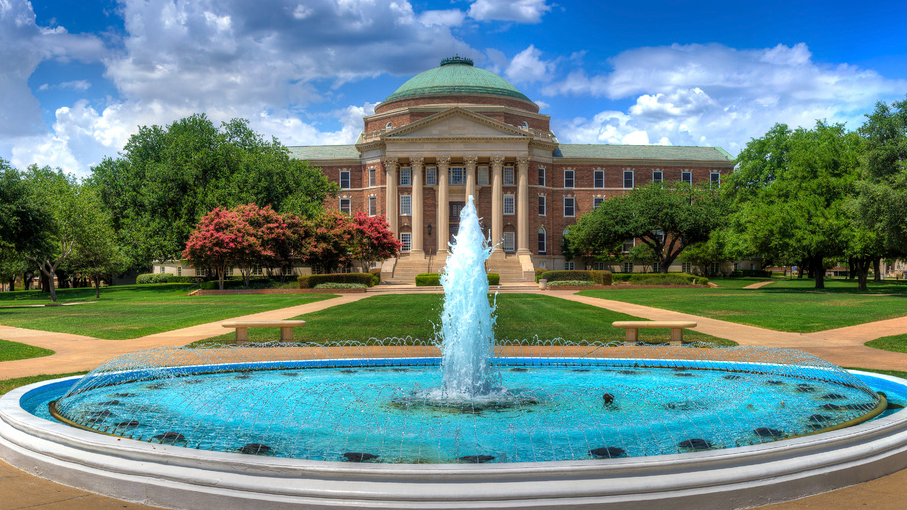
{"x": 516, "y": 424}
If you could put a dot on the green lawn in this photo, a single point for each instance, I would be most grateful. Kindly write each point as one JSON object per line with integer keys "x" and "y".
{"x": 10, "y": 351}
{"x": 519, "y": 316}
{"x": 131, "y": 311}
{"x": 737, "y": 283}
{"x": 785, "y": 305}
{"x": 896, "y": 343}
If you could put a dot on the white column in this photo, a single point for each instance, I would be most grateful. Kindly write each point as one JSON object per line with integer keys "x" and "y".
{"x": 417, "y": 205}
{"x": 471, "y": 177}
{"x": 390, "y": 182}
{"x": 497, "y": 199}
{"x": 443, "y": 206}
{"x": 522, "y": 205}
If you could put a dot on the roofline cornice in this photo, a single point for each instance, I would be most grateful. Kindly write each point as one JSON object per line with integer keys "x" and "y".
{"x": 647, "y": 162}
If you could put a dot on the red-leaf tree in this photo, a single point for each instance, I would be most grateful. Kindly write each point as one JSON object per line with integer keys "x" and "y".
{"x": 221, "y": 238}
{"x": 329, "y": 240}
{"x": 374, "y": 239}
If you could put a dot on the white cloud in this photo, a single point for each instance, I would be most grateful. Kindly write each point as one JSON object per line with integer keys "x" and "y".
{"x": 522, "y": 11}
{"x": 446, "y": 18}
{"x": 527, "y": 66}
{"x": 716, "y": 95}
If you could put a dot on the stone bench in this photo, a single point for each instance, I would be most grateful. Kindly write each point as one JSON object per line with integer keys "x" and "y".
{"x": 676, "y": 328}
{"x": 242, "y": 328}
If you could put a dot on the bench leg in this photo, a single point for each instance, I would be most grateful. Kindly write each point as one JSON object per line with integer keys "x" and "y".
{"x": 242, "y": 335}
{"x": 632, "y": 336}
{"x": 676, "y": 336}
{"x": 286, "y": 334}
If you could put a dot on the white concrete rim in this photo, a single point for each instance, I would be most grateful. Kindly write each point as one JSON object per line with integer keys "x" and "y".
{"x": 177, "y": 477}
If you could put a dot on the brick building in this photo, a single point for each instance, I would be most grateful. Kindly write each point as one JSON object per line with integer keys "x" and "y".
{"x": 457, "y": 130}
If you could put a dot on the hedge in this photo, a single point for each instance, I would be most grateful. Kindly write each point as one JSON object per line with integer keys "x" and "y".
{"x": 309, "y": 281}
{"x": 377, "y": 275}
{"x": 752, "y": 272}
{"x": 660, "y": 279}
{"x": 434, "y": 279}
{"x": 236, "y": 282}
{"x": 539, "y": 273}
{"x": 333, "y": 285}
{"x": 571, "y": 283}
{"x": 601, "y": 277}
{"x": 152, "y": 278}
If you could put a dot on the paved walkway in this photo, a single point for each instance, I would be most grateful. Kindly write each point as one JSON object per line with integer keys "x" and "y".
{"x": 843, "y": 346}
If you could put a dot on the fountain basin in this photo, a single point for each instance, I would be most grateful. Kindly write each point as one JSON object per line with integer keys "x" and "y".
{"x": 178, "y": 477}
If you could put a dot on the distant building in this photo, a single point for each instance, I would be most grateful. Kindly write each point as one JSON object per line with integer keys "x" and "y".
{"x": 458, "y": 130}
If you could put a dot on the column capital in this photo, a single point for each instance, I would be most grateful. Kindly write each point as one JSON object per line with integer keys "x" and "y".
{"x": 523, "y": 161}
{"x": 416, "y": 163}
{"x": 471, "y": 161}
{"x": 497, "y": 161}
{"x": 390, "y": 163}
{"x": 443, "y": 162}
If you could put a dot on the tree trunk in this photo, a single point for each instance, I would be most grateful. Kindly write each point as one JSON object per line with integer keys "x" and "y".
{"x": 861, "y": 268}
{"x": 851, "y": 268}
{"x": 97, "y": 286}
{"x": 12, "y": 283}
{"x": 45, "y": 287}
{"x": 818, "y": 272}
{"x": 220, "y": 279}
{"x": 48, "y": 274}
{"x": 26, "y": 281}
{"x": 877, "y": 267}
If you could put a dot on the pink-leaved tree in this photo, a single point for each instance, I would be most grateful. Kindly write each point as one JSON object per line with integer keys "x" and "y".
{"x": 221, "y": 239}
{"x": 374, "y": 239}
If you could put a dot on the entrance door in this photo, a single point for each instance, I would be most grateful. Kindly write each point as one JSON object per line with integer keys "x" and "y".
{"x": 454, "y": 218}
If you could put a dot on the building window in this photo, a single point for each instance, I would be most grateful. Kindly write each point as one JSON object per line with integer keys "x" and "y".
{"x": 629, "y": 244}
{"x": 598, "y": 266}
{"x": 569, "y": 266}
{"x": 715, "y": 179}
{"x": 657, "y": 176}
{"x": 542, "y": 206}
{"x": 541, "y": 176}
{"x": 456, "y": 176}
{"x": 597, "y": 201}
{"x": 371, "y": 176}
{"x": 179, "y": 270}
{"x": 345, "y": 179}
{"x": 543, "y": 240}
{"x": 628, "y": 178}
{"x": 201, "y": 272}
{"x": 736, "y": 266}
{"x": 569, "y": 207}
{"x": 483, "y": 176}
{"x": 568, "y": 178}
{"x": 598, "y": 180}
{"x": 686, "y": 177}
{"x": 524, "y": 125}
{"x": 256, "y": 271}
{"x": 388, "y": 126}
{"x": 508, "y": 242}
{"x": 627, "y": 267}
{"x": 659, "y": 236}
{"x": 345, "y": 205}
{"x": 509, "y": 204}
{"x": 406, "y": 177}
{"x": 543, "y": 264}
{"x": 656, "y": 267}
{"x": 406, "y": 205}
{"x": 431, "y": 176}
{"x": 372, "y": 206}
{"x": 686, "y": 267}
{"x": 508, "y": 176}
{"x": 162, "y": 269}
{"x": 407, "y": 240}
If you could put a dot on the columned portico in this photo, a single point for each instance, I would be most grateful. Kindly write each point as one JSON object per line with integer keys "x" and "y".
{"x": 390, "y": 171}
{"x": 522, "y": 206}
{"x": 417, "y": 205}
{"x": 443, "y": 205}
{"x": 497, "y": 199}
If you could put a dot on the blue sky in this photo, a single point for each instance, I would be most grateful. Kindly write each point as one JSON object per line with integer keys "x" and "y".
{"x": 78, "y": 78}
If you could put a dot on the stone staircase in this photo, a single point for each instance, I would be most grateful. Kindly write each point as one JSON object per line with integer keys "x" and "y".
{"x": 408, "y": 266}
{"x": 509, "y": 266}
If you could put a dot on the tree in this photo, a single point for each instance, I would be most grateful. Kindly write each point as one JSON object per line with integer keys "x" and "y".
{"x": 374, "y": 239}
{"x": 667, "y": 217}
{"x": 644, "y": 255}
{"x": 97, "y": 255}
{"x": 330, "y": 241}
{"x": 220, "y": 238}
{"x": 790, "y": 193}
{"x": 70, "y": 215}
{"x": 167, "y": 178}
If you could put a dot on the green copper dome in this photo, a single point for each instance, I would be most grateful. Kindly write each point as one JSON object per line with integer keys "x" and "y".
{"x": 456, "y": 76}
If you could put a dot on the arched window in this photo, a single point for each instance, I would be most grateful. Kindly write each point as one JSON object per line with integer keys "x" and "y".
{"x": 543, "y": 241}
{"x": 525, "y": 125}
{"x": 388, "y": 126}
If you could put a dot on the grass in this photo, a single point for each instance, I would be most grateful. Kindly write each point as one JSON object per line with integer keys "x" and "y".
{"x": 785, "y": 305}
{"x": 7, "y": 385}
{"x": 519, "y": 316}
{"x": 11, "y": 351}
{"x": 132, "y": 311}
{"x": 896, "y": 343}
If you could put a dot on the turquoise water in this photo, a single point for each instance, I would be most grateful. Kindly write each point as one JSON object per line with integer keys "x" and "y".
{"x": 564, "y": 412}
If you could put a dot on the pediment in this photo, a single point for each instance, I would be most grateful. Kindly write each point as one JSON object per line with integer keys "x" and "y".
{"x": 456, "y": 123}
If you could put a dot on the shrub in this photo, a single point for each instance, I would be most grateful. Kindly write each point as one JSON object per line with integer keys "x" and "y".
{"x": 434, "y": 279}
{"x": 661, "y": 279}
{"x": 428, "y": 280}
{"x": 236, "y": 282}
{"x": 752, "y": 272}
{"x": 560, "y": 276}
{"x": 539, "y": 273}
{"x": 601, "y": 277}
{"x": 621, "y": 277}
{"x": 152, "y": 278}
{"x": 309, "y": 281}
{"x": 376, "y": 279}
{"x": 570, "y": 283}
{"x": 332, "y": 285}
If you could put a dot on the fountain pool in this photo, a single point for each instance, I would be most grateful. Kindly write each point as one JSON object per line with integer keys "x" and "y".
{"x": 467, "y": 423}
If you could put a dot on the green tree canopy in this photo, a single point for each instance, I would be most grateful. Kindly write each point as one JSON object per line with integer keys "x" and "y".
{"x": 167, "y": 178}
{"x": 667, "y": 217}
